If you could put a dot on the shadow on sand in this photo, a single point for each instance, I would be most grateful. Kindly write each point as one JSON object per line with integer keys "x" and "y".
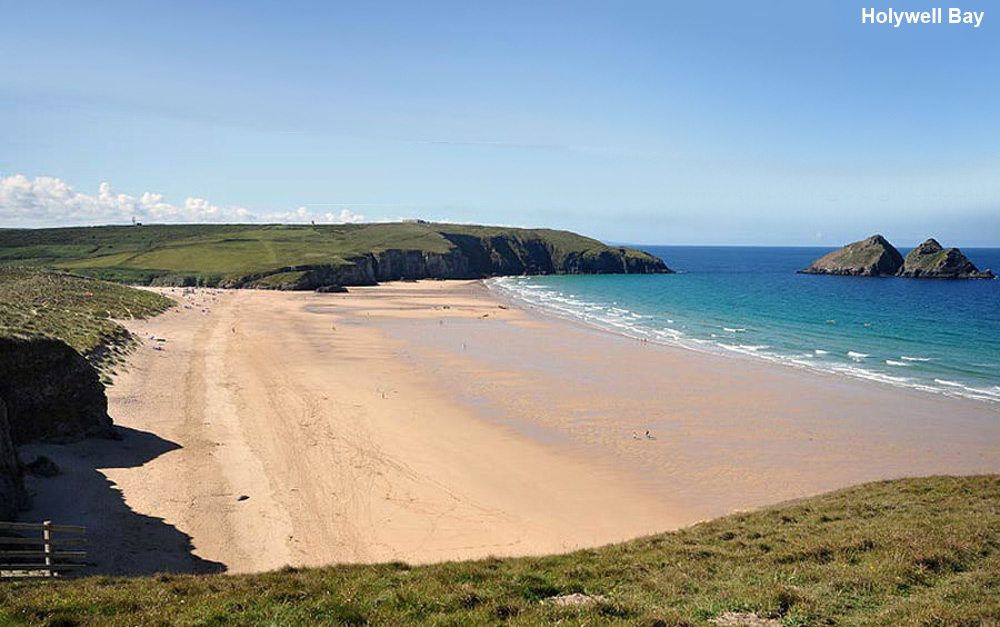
{"x": 120, "y": 540}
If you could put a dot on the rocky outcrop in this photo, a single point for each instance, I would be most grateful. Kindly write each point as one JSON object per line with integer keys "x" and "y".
{"x": 51, "y": 392}
{"x": 877, "y": 257}
{"x": 873, "y": 256}
{"x": 471, "y": 257}
{"x": 930, "y": 260}
{"x": 12, "y": 494}
{"x": 511, "y": 255}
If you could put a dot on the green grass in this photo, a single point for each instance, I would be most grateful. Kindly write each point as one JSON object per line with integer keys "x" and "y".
{"x": 76, "y": 310}
{"x": 928, "y": 261}
{"x": 908, "y": 552}
{"x": 214, "y": 253}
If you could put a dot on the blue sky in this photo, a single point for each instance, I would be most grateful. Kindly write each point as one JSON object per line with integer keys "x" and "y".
{"x": 768, "y": 122}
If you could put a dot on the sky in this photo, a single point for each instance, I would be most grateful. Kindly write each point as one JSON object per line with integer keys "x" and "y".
{"x": 764, "y": 122}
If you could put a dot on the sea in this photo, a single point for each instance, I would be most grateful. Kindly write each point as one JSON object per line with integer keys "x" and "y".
{"x": 938, "y": 336}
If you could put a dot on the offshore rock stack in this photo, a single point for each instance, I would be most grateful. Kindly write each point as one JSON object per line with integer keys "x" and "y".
{"x": 876, "y": 257}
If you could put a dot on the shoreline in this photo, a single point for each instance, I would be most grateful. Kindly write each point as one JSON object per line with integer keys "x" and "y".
{"x": 709, "y": 348}
{"x": 799, "y": 407}
{"x": 432, "y": 421}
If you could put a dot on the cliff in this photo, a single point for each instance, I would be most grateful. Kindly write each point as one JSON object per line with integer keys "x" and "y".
{"x": 930, "y": 260}
{"x": 307, "y": 257}
{"x": 51, "y": 392}
{"x": 48, "y": 391}
{"x": 873, "y": 256}
{"x": 55, "y": 330}
{"x": 12, "y": 494}
{"x": 471, "y": 257}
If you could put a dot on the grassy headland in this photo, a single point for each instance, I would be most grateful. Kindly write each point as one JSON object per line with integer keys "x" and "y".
{"x": 907, "y": 552}
{"x": 277, "y": 256}
{"x": 79, "y": 311}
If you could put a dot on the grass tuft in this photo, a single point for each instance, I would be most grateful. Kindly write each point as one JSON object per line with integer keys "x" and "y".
{"x": 908, "y": 552}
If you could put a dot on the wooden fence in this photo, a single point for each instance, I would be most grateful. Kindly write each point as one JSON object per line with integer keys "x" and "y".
{"x": 42, "y": 555}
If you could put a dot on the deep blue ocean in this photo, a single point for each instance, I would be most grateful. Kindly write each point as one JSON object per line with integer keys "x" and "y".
{"x": 939, "y": 336}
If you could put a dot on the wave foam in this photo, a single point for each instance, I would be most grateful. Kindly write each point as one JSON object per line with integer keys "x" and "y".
{"x": 617, "y": 318}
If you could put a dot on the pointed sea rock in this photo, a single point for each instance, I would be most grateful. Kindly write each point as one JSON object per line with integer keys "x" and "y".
{"x": 870, "y": 257}
{"x": 930, "y": 260}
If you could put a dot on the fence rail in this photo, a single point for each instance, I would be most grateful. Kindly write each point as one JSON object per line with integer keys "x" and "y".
{"x": 19, "y": 559}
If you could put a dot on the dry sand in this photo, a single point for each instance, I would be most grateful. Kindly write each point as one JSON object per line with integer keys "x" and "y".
{"x": 430, "y": 421}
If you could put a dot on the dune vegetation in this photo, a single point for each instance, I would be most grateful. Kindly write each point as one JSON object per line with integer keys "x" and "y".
{"x": 79, "y": 311}
{"x": 906, "y": 552}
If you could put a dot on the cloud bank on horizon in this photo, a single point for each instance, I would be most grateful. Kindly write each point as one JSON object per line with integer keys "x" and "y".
{"x": 47, "y": 201}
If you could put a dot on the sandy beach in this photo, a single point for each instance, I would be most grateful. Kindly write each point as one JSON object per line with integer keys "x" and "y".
{"x": 433, "y": 421}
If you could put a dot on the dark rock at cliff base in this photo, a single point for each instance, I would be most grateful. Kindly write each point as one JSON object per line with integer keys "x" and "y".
{"x": 12, "y": 494}
{"x": 52, "y": 392}
{"x": 930, "y": 260}
{"x": 43, "y": 466}
{"x": 870, "y": 257}
{"x": 331, "y": 289}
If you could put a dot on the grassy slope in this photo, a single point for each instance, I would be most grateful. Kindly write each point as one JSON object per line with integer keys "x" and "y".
{"x": 926, "y": 262}
{"x": 215, "y": 251}
{"x": 76, "y": 310}
{"x": 855, "y": 255}
{"x": 910, "y": 552}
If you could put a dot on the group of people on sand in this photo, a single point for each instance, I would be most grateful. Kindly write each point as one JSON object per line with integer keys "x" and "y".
{"x": 648, "y": 436}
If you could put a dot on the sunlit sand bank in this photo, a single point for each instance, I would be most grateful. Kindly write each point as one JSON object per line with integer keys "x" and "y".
{"x": 432, "y": 421}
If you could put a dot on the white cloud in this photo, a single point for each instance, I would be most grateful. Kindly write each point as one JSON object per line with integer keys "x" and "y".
{"x": 302, "y": 214}
{"x": 47, "y": 201}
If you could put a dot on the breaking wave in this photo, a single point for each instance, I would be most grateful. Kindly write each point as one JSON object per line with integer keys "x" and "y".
{"x": 670, "y": 328}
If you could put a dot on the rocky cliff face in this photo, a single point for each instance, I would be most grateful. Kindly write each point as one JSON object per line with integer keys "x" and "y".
{"x": 12, "y": 494}
{"x": 51, "y": 392}
{"x": 471, "y": 257}
{"x": 931, "y": 260}
{"x": 506, "y": 255}
{"x": 870, "y": 257}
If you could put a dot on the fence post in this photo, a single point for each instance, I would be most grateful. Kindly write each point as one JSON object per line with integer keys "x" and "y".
{"x": 47, "y": 538}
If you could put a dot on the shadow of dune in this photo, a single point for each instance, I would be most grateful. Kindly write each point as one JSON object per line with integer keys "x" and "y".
{"x": 121, "y": 541}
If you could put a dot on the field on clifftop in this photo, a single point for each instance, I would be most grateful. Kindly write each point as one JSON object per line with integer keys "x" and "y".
{"x": 233, "y": 255}
{"x": 907, "y": 552}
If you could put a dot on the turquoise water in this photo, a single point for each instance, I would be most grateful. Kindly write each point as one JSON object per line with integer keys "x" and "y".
{"x": 933, "y": 335}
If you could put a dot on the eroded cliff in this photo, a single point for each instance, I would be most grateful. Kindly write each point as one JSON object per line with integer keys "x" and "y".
{"x": 51, "y": 392}
{"x": 470, "y": 257}
{"x": 12, "y": 494}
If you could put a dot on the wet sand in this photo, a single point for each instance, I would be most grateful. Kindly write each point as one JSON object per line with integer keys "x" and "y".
{"x": 431, "y": 421}
{"x": 732, "y": 432}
